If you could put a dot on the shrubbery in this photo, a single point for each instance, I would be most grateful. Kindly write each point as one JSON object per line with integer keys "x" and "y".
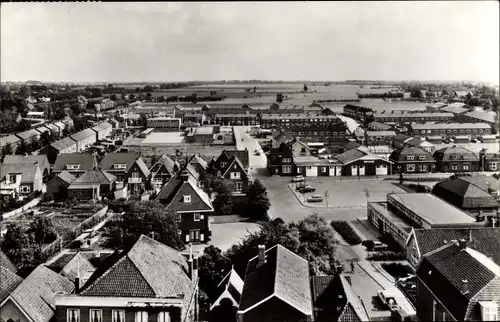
{"x": 347, "y": 232}
{"x": 397, "y": 270}
{"x": 387, "y": 256}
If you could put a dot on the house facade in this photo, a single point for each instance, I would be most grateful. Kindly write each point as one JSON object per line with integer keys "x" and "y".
{"x": 74, "y": 163}
{"x": 414, "y": 117}
{"x": 456, "y": 159}
{"x": 359, "y": 113}
{"x": 412, "y": 160}
{"x": 360, "y": 162}
{"x": 129, "y": 170}
{"x": 92, "y": 185}
{"x": 163, "y": 170}
{"x": 449, "y": 130}
{"x": 102, "y": 130}
{"x": 19, "y": 181}
{"x": 84, "y": 139}
{"x": 58, "y": 185}
{"x": 233, "y": 165}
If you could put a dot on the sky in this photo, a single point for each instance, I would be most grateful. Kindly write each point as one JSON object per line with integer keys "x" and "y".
{"x": 127, "y": 42}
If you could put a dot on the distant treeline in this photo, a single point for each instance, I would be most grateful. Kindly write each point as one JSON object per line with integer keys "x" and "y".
{"x": 340, "y": 100}
{"x": 195, "y": 98}
{"x": 381, "y": 95}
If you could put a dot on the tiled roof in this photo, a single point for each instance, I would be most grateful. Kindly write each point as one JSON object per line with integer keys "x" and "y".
{"x": 378, "y": 125}
{"x": 36, "y": 293}
{"x": 400, "y": 137}
{"x": 6, "y": 262}
{"x": 380, "y": 133}
{"x": 173, "y": 193}
{"x": 101, "y": 127}
{"x": 8, "y": 282}
{"x": 443, "y": 270}
{"x": 82, "y": 135}
{"x": 63, "y": 144}
{"x": 358, "y": 153}
{"x": 9, "y": 139}
{"x": 78, "y": 267}
{"x": 431, "y": 126}
{"x": 148, "y": 269}
{"x": 353, "y": 300}
{"x": 285, "y": 274}
{"x": 242, "y": 155}
{"x": 94, "y": 177}
{"x": 66, "y": 177}
{"x": 352, "y": 145}
{"x": 485, "y": 239}
{"x": 26, "y": 135}
{"x": 445, "y": 154}
{"x": 483, "y": 116}
{"x": 465, "y": 194}
{"x": 401, "y": 154}
{"x": 27, "y": 170}
{"x": 127, "y": 158}
{"x": 413, "y": 142}
{"x": 85, "y": 160}
{"x": 483, "y": 182}
{"x": 143, "y": 167}
{"x": 167, "y": 162}
{"x": 42, "y": 160}
{"x": 196, "y": 159}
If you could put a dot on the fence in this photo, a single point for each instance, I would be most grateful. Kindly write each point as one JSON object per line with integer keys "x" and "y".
{"x": 17, "y": 211}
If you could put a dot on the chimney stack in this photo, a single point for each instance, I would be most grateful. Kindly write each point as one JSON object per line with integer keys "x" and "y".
{"x": 262, "y": 255}
{"x": 184, "y": 175}
{"x": 77, "y": 285}
{"x": 465, "y": 286}
{"x": 462, "y": 243}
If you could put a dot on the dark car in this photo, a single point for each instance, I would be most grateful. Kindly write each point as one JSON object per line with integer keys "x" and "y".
{"x": 305, "y": 189}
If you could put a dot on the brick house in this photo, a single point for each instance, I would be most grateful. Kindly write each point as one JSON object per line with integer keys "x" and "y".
{"x": 281, "y": 160}
{"x": 489, "y": 161}
{"x": 163, "y": 170}
{"x": 449, "y": 130}
{"x": 149, "y": 281}
{"x": 276, "y": 288}
{"x": 93, "y": 184}
{"x": 456, "y": 159}
{"x": 129, "y": 170}
{"x": 360, "y": 113}
{"x": 412, "y": 160}
{"x": 233, "y": 165}
{"x": 58, "y": 185}
{"x": 74, "y": 163}
{"x": 192, "y": 205}
{"x": 458, "y": 283}
{"x": 66, "y": 145}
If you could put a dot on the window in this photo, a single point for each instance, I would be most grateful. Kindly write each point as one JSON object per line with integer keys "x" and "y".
{"x": 235, "y": 175}
{"x": 141, "y": 316}
{"x": 135, "y": 174}
{"x": 303, "y": 150}
{"x": 410, "y": 157}
{"x": 421, "y": 157}
{"x": 12, "y": 178}
{"x": 454, "y": 166}
{"x": 72, "y": 166}
{"x": 492, "y": 166}
{"x": 489, "y": 310}
{"x": 422, "y": 167}
{"x": 410, "y": 167}
{"x": 179, "y": 231}
{"x": 73, "y": 315}
{"x": 286, "y": 160}
{"x": 466, "y": 166}
{"x": 239, "y": 186}
{"x": 287, "y": 169}
{"x": 299, "y": 170}
{"x": 187, "y": 198}
{"x": 163, "y": 317}
{"x": 25, "y": 189}
{"x": 95, "y": 315}
{"x": 120, "y": 166}
{"x": 223, "y": 164}
{"x": 118, "y": 315}
{"x": 196, "y": 216}
{"x": 323, "y": 169}
{"x": 454, "y": 157}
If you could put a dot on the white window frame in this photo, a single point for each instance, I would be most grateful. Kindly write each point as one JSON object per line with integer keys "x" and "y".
{"x": 299, "y": 170}
{"x": 141, "y": 316}
{"x": 323, "y": 169}
{"x": 77, "y": 315}
{"x": 286, "y": 168}
{"x": 235, "y": 175}
{"x": 286, "y": 160}
{"x": 135, "y": 174}
{"x": 163, "y": 317}
{"x": 72, "y": 166}
{"x": 410, "y": 157}
{"x": 239, "y": 186}
{"x": 196, "y": 216}
{"x": 119, "y": 166}
{"x": 12, "y": 178}
{"x": 492, "y": 165}
{"x": 187, "y": 198}
{"x": 421, "y": 157}
{"x": 465, "y": 166}
{"x": 91, "y": 315}
{"x": 25, "y": 189}
{"x": 115, "y": 315}
{"x": 454, "y": 166}
{"x": 422, "y": 167}
{"x": 410, "y": 167}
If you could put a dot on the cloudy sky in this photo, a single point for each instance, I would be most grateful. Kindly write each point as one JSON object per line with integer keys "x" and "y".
{"x": 449, "y": 40}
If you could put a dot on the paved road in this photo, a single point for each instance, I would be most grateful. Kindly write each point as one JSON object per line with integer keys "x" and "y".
{"x": 245, "y": 140}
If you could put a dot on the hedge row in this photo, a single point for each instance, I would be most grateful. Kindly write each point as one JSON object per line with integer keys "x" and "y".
{"x": 345, "y": 230}
{"x": 387, "y": 256}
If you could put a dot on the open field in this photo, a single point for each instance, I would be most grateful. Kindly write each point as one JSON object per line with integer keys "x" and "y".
{"x": 165, "y": 137}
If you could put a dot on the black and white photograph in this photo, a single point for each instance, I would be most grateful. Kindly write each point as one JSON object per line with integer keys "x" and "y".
{"x": 266, "y": 161}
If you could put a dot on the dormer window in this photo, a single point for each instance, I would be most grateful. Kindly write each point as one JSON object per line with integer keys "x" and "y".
{"x": 72, "y": 166}
{"x": 421, "y": 157}
{"x": 187, "y": 198}
{"x": 119, "y": 166}
{"x": 410, "y": 157}
{"x": 12, "y": 178}
{"x": 454, "y": 156}
{"x": 223, "y": 164}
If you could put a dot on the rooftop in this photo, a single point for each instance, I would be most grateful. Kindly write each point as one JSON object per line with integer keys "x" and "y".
{"x": 431, "y": 126}
{"x": 400, "y": 221}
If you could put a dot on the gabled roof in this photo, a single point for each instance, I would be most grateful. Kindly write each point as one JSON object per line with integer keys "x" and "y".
{"x": 232, "y": 283}
{"x": 196, "y": 159}
{"x": 167, "y": 162}
{"x": 127, "y": 158}
{"x": 485, "y": 239}
{"x": 101, "y": 127}
{"x": 95, "y": 176}
{"x": 35, "y": 295}
{"x": 27, "y": 170}
{"x": 7, "y": 263}
{"x": 78, "y": 267}
{"x": 351, "y": 145}
{"x": 401, "y": 154}
{"x": 400, "y": 137}
{"x": 66, "y": 177}
{"x": 445, "y": 154}
{"x": 443, "y": 270}
{"x": 173, "y": 193}
{"x": 466, "y": 194}
{"x": 356, "y": 154}
{"x": 242, "y": 155}
{"x": 85, "y": 160}
{"x": 63, "y": 144}
{"x": 42, "y": 160}
{"x": 82, "y": 135}
{"x": 26, "y": 135}
{"x": 8, "y": 282}
{"x": 284, "y": 275}
{"x": 147, "y": 269}
{"x": 230, "y": 165}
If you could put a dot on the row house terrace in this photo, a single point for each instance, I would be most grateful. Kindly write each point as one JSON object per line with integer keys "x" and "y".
{"x": 412, "y": 160}
{"x": 359, "y": 113}
{"x": 378, "y": 137}
{"x": 449, "y": 130}
{"x": 414, "y": 117}
{"x": 289, "y": 120}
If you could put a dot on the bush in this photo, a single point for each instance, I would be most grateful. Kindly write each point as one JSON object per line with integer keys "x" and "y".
{"x": 387, "y": 256}
{"x": 345, "y": 230}
{"x": 397, "y": 270}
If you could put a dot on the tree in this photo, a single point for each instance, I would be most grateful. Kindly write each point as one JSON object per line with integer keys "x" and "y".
{"x": 258, "y": 201}
{"x": 24, "y": 125}
{"x": 274, "y": 107}
{"x": 18, "y": 246}
{"x": 7, "y": 149}
{"x": 222, "y": 202}
{"x": 45, "y": 138}
{"x": 34, "y": 145}
{"x": 22, "y": 148}
{"x": 148, "y": 218}
{"x": 212, "y": 268}
{"x": 416, "y": 93}
{"x": 66, "y": 131}
{"x": 305, "y": 88}
{"x": 224, "y": 312}
{"x": 327, "y": 111}
{"x": 279, "y": 98}
{"x": 209, "y": 181}
{"x": 82, "y": 105}
{"x": 43, "y": 230}
{"x": 254, "y": 89}
{"x": 113, "y": 97}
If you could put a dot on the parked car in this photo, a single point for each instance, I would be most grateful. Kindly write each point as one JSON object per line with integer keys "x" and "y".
{"x": 388, "y": 298}
{"x": 473, "y": 140}
{"x": 298, "y": 179}
{"x": 315, "y": 198}
{"x": 306, "y": 188}
{"x": 374, "y": 245}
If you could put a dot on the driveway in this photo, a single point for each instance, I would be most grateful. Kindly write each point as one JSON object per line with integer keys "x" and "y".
{"x": 245, "y": 140}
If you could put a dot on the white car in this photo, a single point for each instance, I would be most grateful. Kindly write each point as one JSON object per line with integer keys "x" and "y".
{"x": 298, "y": 179}
{"x": 388, "y": 298}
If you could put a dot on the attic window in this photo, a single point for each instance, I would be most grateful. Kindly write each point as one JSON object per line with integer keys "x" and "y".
{"x": 421, "y": 157}
{"x": 120, "y": 166}
{"x": 410, "y": 157}
{"x": 223, "y": 164}
{"x": 72, "y": 166}
{"x": 187, "y": 198}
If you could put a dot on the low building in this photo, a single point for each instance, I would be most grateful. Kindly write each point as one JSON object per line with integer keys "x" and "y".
{"x": 203, "y": 135}
{"x": 20, "y": 180}
{"x": 402, "y": 212}
{"x": 473, "y": 194}
{"x": 92, "y": 185}
{"x": 66, "y": 145}
{"x": 458, "y": 283}
{"x": 456, "y": 159}
{"x": 359, "y": 113}
{"x": 40, "y": 159}
{"x": 424, "y": 241}
{"x": 164, "y": 124}
{"x": 33, "y": 298}
{"x": 58, "y": 185}
{"x": 74, "y": 163}
{"x": 378, "y": 126}
{"x": 148, "y": 281}
{"x": 229, "y": 288}
{"x": 299, "y": 119}
{"x": 276, "y": 288}
{"x": 36, "y": 115}
{"x": 489, "y": 161}
{"x": 412, "y": 160}
{"x": 236, "y": 119}
{"x": 449, "y": 130}
{"x": 55, "y": 130}
{"x": 192, "y": 205}
{"x": 102, "y": 130}
{"x": 29, "y": 136}
{"x": 84, "y": 139}
{"x": 401, "y": 118}
{"x": 378, "y": 137}
{"x": 361, "y": 162}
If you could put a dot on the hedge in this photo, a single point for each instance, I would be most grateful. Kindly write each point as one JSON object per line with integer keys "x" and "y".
{"x": 387, "y": 256}
{"x": 345, "y": 230}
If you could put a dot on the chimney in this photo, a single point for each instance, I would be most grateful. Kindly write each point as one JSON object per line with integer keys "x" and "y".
{"x": 470, "y": 235}
{"x": 262, "y": 255}
{"x": 184, "y": 175}
{"x": 77, "y": 285}
{"x": 462, "y": 243}
{"x": 465, "y": 286}
{"x": 191, "y": 262}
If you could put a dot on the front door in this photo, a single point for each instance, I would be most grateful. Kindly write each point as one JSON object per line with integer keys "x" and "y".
{"x": 194, "y": 235}
{"x": 381, "y": 226}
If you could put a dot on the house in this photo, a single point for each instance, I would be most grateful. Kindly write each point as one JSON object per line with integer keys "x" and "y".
{"x": 359, "y": 113}
{"x": 102, "y": 131}
{"x": 76, "y": 267}
{"x": 66, "y": 145}
{"x": 58, "y": 185}
{"x": 456, "y": 159}
{"x": 163, "y": 170}
{"x": 473, "y": 194}
{"x": 7, "y": 263}
{"x": 334, "y": 300}
{"x": 52, "y": 128}
{"x": 360, "y": 162}
{"x": 378, "y": 137}
{"x": 8, "y": 282}
{"x": 449, "y": 130}
{"x": 424, "y": 241}
{"x": 41, "y": 159}
{"x": 236, "y": 119}
{"x": 276, "y": 288}
{"x": 192, "y": 205}
{"x": 164, "y": 124}
{"x": 332, "y": 133}
{"x": 20, "y": 180}
{"x": 115, "y": 124}
{"x": 83, "y": 139}
{"x": 92, "y": 185}
{"x": 412, "y": 160}
{"x": 61, "y": 126}
{"x": 129, "y": 169}
{"x": 33, "y": 298}
{"x": 224, "y": 158}
{"x": 149, "y": 281}
{"x": 489, "y": 161}
{"x": 229, "y": 166}
{"x": 29, "y": 136}
{"x": 279, "y": 137}
{"x": 458, "y": 283}
{"x": 198, "y": 163}
{"x": 402, "y": 118}
{"x": 12, "y": 139}
{"x": 230, "y": 287}
{"x": 297, "y": 119}
{"x": 281, "y": 160}
{"x": 202, "y": 135}
{"x": 74, "y": 163}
